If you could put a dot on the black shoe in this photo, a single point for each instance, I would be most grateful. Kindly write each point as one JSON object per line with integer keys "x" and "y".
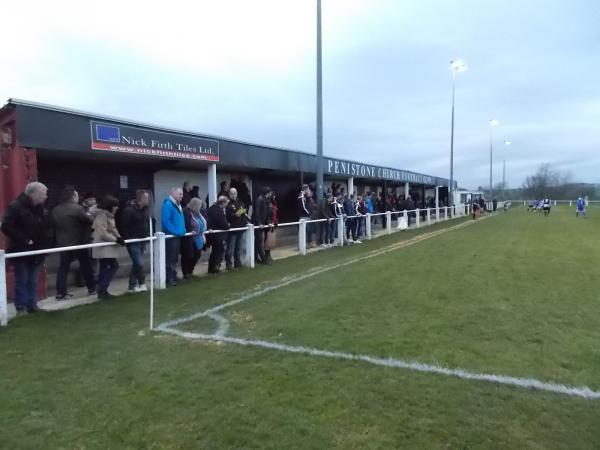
{"x": 105, "y": 295}
{"x": 172, "y": 284}
{"x": 92, "y": 292}
{"x": 63, "y": 297}
{"x": 33, "y": 309}
{"x": 214, "y": 270}
{"x": 229, "y": 267}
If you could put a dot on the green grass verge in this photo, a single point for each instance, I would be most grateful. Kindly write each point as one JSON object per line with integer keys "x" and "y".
{"x": 514, "y": 294}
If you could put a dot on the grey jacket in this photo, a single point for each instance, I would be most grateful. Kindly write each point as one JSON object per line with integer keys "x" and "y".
{"x": 72, "y": 225}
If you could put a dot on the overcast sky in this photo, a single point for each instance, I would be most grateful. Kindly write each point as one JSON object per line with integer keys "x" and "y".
{"x": 245, "y": 69}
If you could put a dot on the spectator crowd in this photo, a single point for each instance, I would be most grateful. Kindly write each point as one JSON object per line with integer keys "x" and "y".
{"x": 82, "y": 220}
{"x": 186, "y": 219}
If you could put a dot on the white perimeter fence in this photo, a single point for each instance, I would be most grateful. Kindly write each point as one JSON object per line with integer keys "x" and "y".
{"x": 422, "y": 217}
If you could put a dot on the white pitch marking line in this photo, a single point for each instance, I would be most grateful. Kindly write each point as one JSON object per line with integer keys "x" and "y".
{"x": 527, "y": 383}
{"x": 221, "y": 332}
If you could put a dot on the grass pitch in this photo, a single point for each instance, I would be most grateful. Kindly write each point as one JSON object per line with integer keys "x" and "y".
{"x": 516, "y": 294}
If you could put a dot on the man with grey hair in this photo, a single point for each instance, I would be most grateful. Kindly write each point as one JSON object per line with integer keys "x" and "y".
{"x": 173, "y": 223}
{"x": 27, "y": 225}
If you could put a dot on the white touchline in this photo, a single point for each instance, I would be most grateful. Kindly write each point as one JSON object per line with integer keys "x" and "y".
{"x": 530, "y": 383}
{"x": 223, "y": 327}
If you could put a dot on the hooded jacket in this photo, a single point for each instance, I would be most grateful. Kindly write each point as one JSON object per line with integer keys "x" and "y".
{"x": 172, "y": 220}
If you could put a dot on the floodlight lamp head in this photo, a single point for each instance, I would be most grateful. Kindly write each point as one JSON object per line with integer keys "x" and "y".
{"x": 457, "y": 66}
{"x": 507, "y": 143}
{"x": 494, "y": 122}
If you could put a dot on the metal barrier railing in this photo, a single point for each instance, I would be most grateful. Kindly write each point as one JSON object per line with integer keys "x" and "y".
{"x": 157, "y": 243}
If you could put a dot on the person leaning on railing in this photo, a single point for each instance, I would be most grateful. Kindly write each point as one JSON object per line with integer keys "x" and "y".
{"x": 105, "y": 230}
{"x": 172, "y": 223}
{"x": 325, "y": 237}
{"x": 217, "y": 221}
{"x": 260, "y": 214}
{"x": 236, "y": 216}
{"x": 28, "y": 227}
{"x": 135, "y": 224}
{"x": 72, "y": 226}
{"x": 192, "y": 246}
{"x": 270, "y": 233}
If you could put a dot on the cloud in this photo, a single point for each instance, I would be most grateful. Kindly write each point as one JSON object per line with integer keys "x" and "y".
{"x": 247, "y": 70}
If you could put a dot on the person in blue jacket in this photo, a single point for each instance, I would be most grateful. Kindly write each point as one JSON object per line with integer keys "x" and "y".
{"x": 173, "y": 223}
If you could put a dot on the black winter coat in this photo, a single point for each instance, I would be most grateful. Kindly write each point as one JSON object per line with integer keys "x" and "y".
{"x": 134, "y": 222}
{"x": 236, "y": 221}
{"x": 216, "y": 220}
{"x": 260, "y": 211}
{"x": 23, "y": 222}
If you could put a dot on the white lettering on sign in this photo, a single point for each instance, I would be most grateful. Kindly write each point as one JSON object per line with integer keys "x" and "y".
{"x": 365, "y": 170}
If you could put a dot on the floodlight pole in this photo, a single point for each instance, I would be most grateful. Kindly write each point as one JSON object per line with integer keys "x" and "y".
{"x": 493, "y": 123}
{"x": 451, "y": 196}
{"x": 319, "y": 108}
{"x": 491, "y": 152}
{"x": 503, "y": 178}
{"x": 456, "y": 66}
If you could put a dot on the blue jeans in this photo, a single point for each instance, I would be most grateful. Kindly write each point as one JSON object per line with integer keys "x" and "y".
{"x": 234, "y": 248}
{"x": 324, "y": 233}
{"x": 136, "y": 253}
{"x": 333, "y": 230}
{"x": 108, "y": 268}
{"x": 27, "y": 272}
{"x": 172, "y": 249}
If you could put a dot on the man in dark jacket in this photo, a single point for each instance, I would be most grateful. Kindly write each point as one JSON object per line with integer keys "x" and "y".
{"x": 135, "y": 224}
{"x": 72, "y": 226}
{"x": 187, "y": 194}
{"x": 325, "y": 213}
{"x": 242, "y": 190}
{"x": 350, "y": 212}
{"x": 217, "y": 221}
{"x": 361, "y": 210}
{"x": 28, "y": 227}
{"x": 260, "y": 214}
{"x": 236, "y": 216}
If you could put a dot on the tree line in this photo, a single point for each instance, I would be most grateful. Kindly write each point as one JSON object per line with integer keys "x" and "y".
{"x": 547, "y": 181}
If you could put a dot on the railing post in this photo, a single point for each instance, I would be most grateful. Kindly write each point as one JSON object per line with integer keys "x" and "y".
{"x": 250, "y": 246}
{"x": 570, "y": 202}
{"x": 437, "y": 214}
{"x": 418, "y": 217}
{"x": 340, "y": 228}
{"x": 368, "y": 225}
{"x": 160, "y": 261}
{"x": 554, "y": 202}
{"x": 428, "y": 216}
{"x": 3, "y": 293}
{"x": 388, "y": 216}
{"x": 302, "y": 237}
{"x": 445, "y": 213}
